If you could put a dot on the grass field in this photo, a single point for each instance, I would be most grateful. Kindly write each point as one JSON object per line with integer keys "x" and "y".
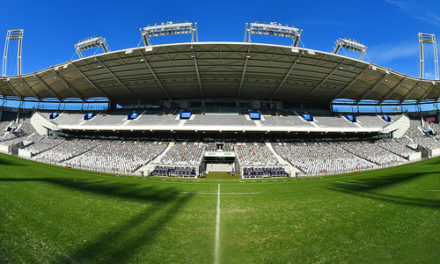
{"x": 57, "y": 215}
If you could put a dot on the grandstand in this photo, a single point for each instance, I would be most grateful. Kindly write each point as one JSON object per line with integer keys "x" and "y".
{"x": 187, "y": 109}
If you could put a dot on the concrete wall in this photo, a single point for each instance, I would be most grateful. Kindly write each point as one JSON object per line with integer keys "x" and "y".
{"x": 41, "y": 124}
{"x": 399, "y": 127}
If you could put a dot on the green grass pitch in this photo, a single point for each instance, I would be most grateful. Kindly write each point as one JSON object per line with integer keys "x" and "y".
{"x": 57, "y": 215}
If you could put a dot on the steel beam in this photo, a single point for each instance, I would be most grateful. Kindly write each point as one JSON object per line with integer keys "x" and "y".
{"x": 427, "y": 93}
{"x": 411, "y": 91}
{"x": 154, "y": 75}
{"x": 393, "y": 90}
{"x": 24, "y": 83}
{"x": 2, "y": 92}
{"x": 286, "y": 76}
{"x": 324, "y": 80}
{"x": 372, "y": 89}
{"x": 115, "y": 77}
{"x": 352, "y": 82}
{"x": 68, "y": 86}
{"x": 90, "y": 81}
{"x": 199, "y": 80}
{"x": 15, "y": 91}
{"x": 240, "y": 86}
{"x": 47, "y": 87}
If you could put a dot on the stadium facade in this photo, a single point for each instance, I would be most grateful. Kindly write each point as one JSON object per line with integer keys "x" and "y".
{"x": 185, "y": 109}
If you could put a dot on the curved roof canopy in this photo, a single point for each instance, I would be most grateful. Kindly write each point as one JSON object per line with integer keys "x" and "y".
{"x": 219, "y": 70}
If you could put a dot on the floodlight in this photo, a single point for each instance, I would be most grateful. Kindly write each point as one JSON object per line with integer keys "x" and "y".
{"x": 13, "y": 34}
{"x": 273, "y": 29}
{"x": 350, "y": 44}
{"x": 169, "y": 28}
{"x": 425, "y": 38}
{"x": 90, "y": 43}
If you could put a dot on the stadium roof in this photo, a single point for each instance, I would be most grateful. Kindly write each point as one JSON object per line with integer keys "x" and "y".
{"x": 219, "y": 70}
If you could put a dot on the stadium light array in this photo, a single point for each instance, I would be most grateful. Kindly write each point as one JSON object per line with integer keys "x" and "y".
{"x": 169, "y": 28}
{"x": 13, "y": 34}
{"x": 425, "y": 38}
{"x": 273, "y": 29}
{"x": 90, "y": 43}
{"x": 350, "y": 44}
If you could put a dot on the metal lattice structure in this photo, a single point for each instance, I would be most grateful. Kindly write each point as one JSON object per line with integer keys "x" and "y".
{"x": 350, "y": 44}
{"x": 425, "y": 38}
{"x": 13, "y": 34}
{"x": 90, "y": 43}
{"x": 273, "y": 29}
{"x": 169, "y": 28}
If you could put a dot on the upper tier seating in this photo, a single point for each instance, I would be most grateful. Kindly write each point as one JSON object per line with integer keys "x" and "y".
{"x": 152, "y": 120}
{"x": 107, "y": 119}
{"x": 333, "y": 121}
{"x": 370, "y": 121}
{"x": 219, "y": 120}
{"x": 69, "y": 119}
{"x": 285, "y": 121}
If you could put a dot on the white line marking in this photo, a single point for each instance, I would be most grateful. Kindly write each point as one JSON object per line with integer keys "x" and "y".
{"x": 238, "y": 193}
{"x": 433, "y": 190}
{"x": 217, "y": 229}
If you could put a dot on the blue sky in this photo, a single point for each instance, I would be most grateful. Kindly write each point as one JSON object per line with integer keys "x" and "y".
{"x": 388, "y": 27}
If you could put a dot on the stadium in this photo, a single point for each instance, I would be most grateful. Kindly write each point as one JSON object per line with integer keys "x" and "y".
{"x": 210, "y": 148}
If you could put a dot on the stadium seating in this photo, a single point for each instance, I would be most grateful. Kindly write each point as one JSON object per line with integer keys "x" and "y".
{"x": 320, "y": 157}
{"x": 69, "y": 119}
{"x": 67, "y": 149}
{"x": 219, "y": 120}
{"x": 118, "y": 156}
{"x": 372, "y": 152}
{"x": 371, "y": 121}
{"x": 333, "y": 121}
{"x": 153, "y": 120}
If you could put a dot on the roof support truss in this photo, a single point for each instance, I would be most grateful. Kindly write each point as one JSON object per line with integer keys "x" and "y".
{"x": 372, "y": 89}
{"x": 25, "y": 84}
{"x": 286, "y": 76}
{"x": 154, "y": 75}
{"x": 68, "y": 86}
{"x": 410, "y": 92}
{"x": 115, "y": 77}
{"x": 15, "y": 91}
{"x": 351, "y": 83}
{"x": 393, "y": 90}
{"x": 199, "y": 80}
{"x": 48, "y": 88}
{"x": 427, "y": 92}
{"x": 90, "y": 81}
{"x": 240, "y": 86}
{"x": 325, "y": 79}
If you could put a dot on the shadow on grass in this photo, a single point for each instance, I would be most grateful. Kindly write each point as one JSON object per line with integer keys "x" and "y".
{"x": 124, "y": 240}
{"x": 368, "y": 188}
{"x": 10, "y": 162}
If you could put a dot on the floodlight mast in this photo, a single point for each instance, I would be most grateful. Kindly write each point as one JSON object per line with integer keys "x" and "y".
{"x": 90, "y": 43}
{"x": 13, "y": 34}
{"x": 273, "y": 29}
{"x": 425, "y": 38}
{"x": 350, "y": 44}
{"x": 169, "y": 28}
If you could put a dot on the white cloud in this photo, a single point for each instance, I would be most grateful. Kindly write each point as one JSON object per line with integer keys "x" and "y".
{"x": 390, "y": 52}
{"x": 420, "y": 10}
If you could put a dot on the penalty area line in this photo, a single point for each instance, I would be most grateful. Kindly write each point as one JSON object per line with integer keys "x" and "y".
{"x": 217, "y": 229}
